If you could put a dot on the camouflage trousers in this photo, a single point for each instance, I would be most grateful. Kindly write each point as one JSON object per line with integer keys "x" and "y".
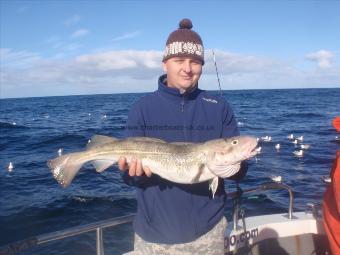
{"x": 211, "y": 243}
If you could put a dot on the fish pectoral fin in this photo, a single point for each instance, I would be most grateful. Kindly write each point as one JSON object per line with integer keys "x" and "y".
{"x": 101, "y": 165}
{"x": 224, "y": 171}
{"x": 213, "y": 185}
{"x": 100, "y": 140}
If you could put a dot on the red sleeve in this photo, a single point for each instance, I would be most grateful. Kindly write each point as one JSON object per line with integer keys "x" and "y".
{"x": 331, "y": 207}
{"x": 335, "y": 176}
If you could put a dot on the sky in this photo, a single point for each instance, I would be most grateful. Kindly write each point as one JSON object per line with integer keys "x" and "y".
{"x": 64, "y": 47}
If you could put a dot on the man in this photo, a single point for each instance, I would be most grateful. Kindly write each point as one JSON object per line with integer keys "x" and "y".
{"x": 176, "y": 218}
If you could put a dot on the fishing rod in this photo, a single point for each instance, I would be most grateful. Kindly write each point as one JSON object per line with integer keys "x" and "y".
{"x": 218, "y": 77}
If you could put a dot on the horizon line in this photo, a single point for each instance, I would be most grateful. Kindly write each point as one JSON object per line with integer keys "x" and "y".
{"x": 74, "y": 95}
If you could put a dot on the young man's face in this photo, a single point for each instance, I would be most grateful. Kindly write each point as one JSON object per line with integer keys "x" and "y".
{"x": 183, "y": 73}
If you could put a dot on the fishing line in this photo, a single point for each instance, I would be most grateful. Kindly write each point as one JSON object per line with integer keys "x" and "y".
{"x": 218, "y": 77}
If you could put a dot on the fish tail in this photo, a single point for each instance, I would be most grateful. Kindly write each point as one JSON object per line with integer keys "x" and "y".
{"x": 65, "y": 167}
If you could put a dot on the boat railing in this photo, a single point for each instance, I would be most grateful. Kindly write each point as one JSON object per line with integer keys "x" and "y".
{"x": 263, "y": 187}
{"x": 98, "y": 226}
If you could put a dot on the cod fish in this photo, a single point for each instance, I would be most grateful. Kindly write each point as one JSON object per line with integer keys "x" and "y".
{"x": 178, "y": 162}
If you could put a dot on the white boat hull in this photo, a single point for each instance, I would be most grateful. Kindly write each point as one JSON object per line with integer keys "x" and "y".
{"x": 277, "y": 234}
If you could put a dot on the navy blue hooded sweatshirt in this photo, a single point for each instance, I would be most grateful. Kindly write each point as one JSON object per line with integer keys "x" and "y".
{"x": 170, "y": 212}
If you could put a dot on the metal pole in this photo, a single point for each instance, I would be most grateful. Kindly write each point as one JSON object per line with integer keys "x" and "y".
{"x": 99, "y": 242}
{"x": 235, "y": 215}
{"x": 218, "y": 77}
{"x": 22, "y": 245}
{"x": 266, "y": 186}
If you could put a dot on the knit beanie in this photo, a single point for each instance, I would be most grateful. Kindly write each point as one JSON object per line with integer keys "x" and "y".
{"x": 184, "y": 42}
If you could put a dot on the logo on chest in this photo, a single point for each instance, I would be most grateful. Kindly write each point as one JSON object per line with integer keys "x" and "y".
{"x": 209, "y": 100}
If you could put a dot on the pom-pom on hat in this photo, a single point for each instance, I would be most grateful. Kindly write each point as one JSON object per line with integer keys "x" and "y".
{"x": 184, "y": 42}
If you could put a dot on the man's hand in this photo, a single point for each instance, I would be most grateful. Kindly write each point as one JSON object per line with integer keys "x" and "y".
{"x": 135, "y": 168}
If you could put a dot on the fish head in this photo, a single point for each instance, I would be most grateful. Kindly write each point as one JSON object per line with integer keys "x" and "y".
{"x": 231, "y": 151}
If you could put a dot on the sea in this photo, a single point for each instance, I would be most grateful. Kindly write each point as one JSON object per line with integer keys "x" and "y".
{"x": 34, "y": 129}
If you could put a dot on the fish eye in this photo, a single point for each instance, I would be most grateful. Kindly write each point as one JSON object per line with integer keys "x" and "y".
{"x": 234, "y": 142}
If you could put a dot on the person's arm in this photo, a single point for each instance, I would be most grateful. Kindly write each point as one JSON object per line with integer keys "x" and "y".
{"x": 230, "y": 127}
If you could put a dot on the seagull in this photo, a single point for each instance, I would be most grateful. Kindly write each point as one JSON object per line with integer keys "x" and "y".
{"x": 14, "y": 123}
{"x": 258, "y": 149}
{"x": 305, "y": 146}
{"x": 277, "y": 146}
{"x": 89, "y": 114}
{"x": 291, "y": 136}
{"x": 298, "y": 153}
{"x": 60, "y": 151}
{"x": 300, "y": 138}
{"x": 266, "y": 138}
{"x": 10, "y": 167}
{"x": 104, "y": 116}
{"x": 277, "y": 178}
{"x": 327, "y": 179}
{"x": 295, "y": 141}
{"x": 257, "y": 139}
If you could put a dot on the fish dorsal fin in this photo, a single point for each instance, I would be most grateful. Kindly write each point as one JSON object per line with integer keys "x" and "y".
{"x": 146, "y": 139}
{"x": 100, "y": 140}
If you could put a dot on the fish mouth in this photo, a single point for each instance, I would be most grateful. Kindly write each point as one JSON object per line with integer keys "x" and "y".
{"x": 256, "y": 150}
{"x": 252, "y": 151}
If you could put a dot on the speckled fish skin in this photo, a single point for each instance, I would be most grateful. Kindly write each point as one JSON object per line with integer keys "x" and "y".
{"x": 178, "y": 162}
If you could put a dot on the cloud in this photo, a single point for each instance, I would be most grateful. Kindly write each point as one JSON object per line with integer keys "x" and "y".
{"x": 71, "y": 21}
{"x": 118, "y": 60}
{"x": 80, "y": 33}
{"x": 137, "y": 71}
{"x": 127, "y": 36}
{"x": 63, "y": 47}
{"x": 17, "y": 59}
{"x": 232, "y": 63}
{"x": 322, "y": 57}
{"x": 85, "y": 72}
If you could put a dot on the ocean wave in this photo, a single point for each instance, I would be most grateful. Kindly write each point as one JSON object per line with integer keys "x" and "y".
{"x": 325, "y": 131}
{"x": 62, "y": 139}
{"x": 126, "y": 198}
{"x": 55, "y": 201}
{"x": 12, "y": 125}
{"x": 303, "y": 115}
